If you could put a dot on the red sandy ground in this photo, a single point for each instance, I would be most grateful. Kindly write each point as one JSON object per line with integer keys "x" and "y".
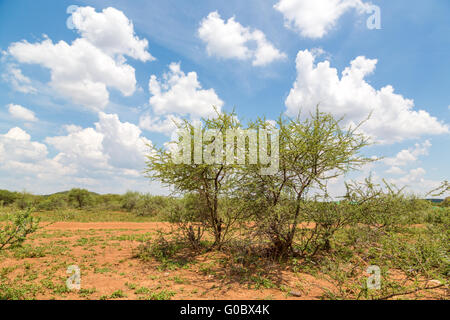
{"x": 122, "y": 268}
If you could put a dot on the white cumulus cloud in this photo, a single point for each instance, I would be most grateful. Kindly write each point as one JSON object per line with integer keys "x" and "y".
{"x": 393, "y": 118}
{"x": 111, "y": 31}
{"x": 18, "y": 80}
{"x": 408, "y": 156}
{"x": 111, "y": 144}
{"x": 230, "y": 40}
{"x": 166, "y": 125}
{"x": 107, "y": 158}
{"x": 182, "y": 94}
{"x": 84, "y": 70}
{"x": 81, "y": 147}
{"x": 21, "y": 157}
{"x": 122, "y": 142}
{"x": 22, "y": 113}
{"x": 395, "y": 170}
{"x": 20, "y": 147}
{"x": 415, "y": 181}
{"x": 314, "y": 19}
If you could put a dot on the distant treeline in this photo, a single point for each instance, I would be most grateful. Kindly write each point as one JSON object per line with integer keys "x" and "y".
{"x": 435, "y": 200}
{"x": 140, "y": 203}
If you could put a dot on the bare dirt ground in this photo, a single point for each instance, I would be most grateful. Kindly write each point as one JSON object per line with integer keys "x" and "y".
{"x": 104, "y": 252}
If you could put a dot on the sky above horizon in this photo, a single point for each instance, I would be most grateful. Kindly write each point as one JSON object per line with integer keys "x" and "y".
{"x": 86, "y": 86}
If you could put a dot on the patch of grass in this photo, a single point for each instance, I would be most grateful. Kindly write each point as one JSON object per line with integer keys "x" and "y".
{"x": 115, "y": 295}
{"x": 179, "y": 280}
{"x": 58, "y": 289}
{"x": 130, "y": 286}
{"x": 162, "y": 295}
{"x": 102, "y": 270}
{"x": 29, "y": 251}
{"x": 85, "y": 293}
{"x": 260, "y": 281}
{"x": 92, "y": 215}
{"x": 142, "y": 290}
{"x": 118, "y": 294}
{"x": 11, "y": 291}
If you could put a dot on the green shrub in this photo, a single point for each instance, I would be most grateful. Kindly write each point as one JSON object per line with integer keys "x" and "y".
{"x": 130, "y": 200}
{"x": 168, "y": 253}
{"x": 190, "y": 215}
{"x": 53, "y": 202}
{"x": 18, "y": 226}
{"x": 161, "y": 249}
{"x": 426, "y": 256}
{"x": 109, "y": 202}
{"x": 25, "y": 200}
{"x": 445, "y": 203}
{"x": 148, "y": 205}
{"x": 7, "y": 197}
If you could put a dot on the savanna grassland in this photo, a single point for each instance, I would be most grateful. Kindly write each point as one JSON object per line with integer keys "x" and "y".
{"x": 125, "y": 251}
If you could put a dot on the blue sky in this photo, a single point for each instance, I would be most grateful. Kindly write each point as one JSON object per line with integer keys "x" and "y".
{"x": 68, "y": 121}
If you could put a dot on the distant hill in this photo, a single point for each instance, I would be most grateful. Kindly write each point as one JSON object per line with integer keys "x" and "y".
{"x": 66, "y": 192}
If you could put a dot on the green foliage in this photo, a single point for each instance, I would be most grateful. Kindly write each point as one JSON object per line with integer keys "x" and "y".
{"x": 162, "y": 295}
{"x": 80, "y": 198}
{"x": 18, "y": 226}
{"x": 380, "y": 206}
{"x": 53, "y": 202}
{"x": 209, "y": 181}
{"x": 161, "y": 249}
{"x": 312, "y": 151}
{"x": 25, "y": 200}
{"x": 168, "y": 253}
{"x": 108, "y": 202}
{"x": 7, "y": 197}
{"x": 442, "y": 189}
{"x": 148, "y": 205}
{"x": 421, "y": 257}
{"x": 445, "y": 203}
{"x": 115, "y": 295}
{"x": 191, "y": 216}
{"x": 130, "y": 200}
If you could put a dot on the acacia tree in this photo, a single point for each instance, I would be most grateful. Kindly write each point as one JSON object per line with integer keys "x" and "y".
{"x": 210, "y": 179}
{"x": 311, "y": 152}
{"x": 80, "y": 197}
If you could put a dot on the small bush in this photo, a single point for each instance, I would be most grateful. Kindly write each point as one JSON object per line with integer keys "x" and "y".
{"x": 161, "y": 249}
{"x": 18, "y": 226}
{"x": 168, "y": 253}
{"x": 148, "y": 205}
{"x": 189, "y": 214}
{"x": 130, "y": 200}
